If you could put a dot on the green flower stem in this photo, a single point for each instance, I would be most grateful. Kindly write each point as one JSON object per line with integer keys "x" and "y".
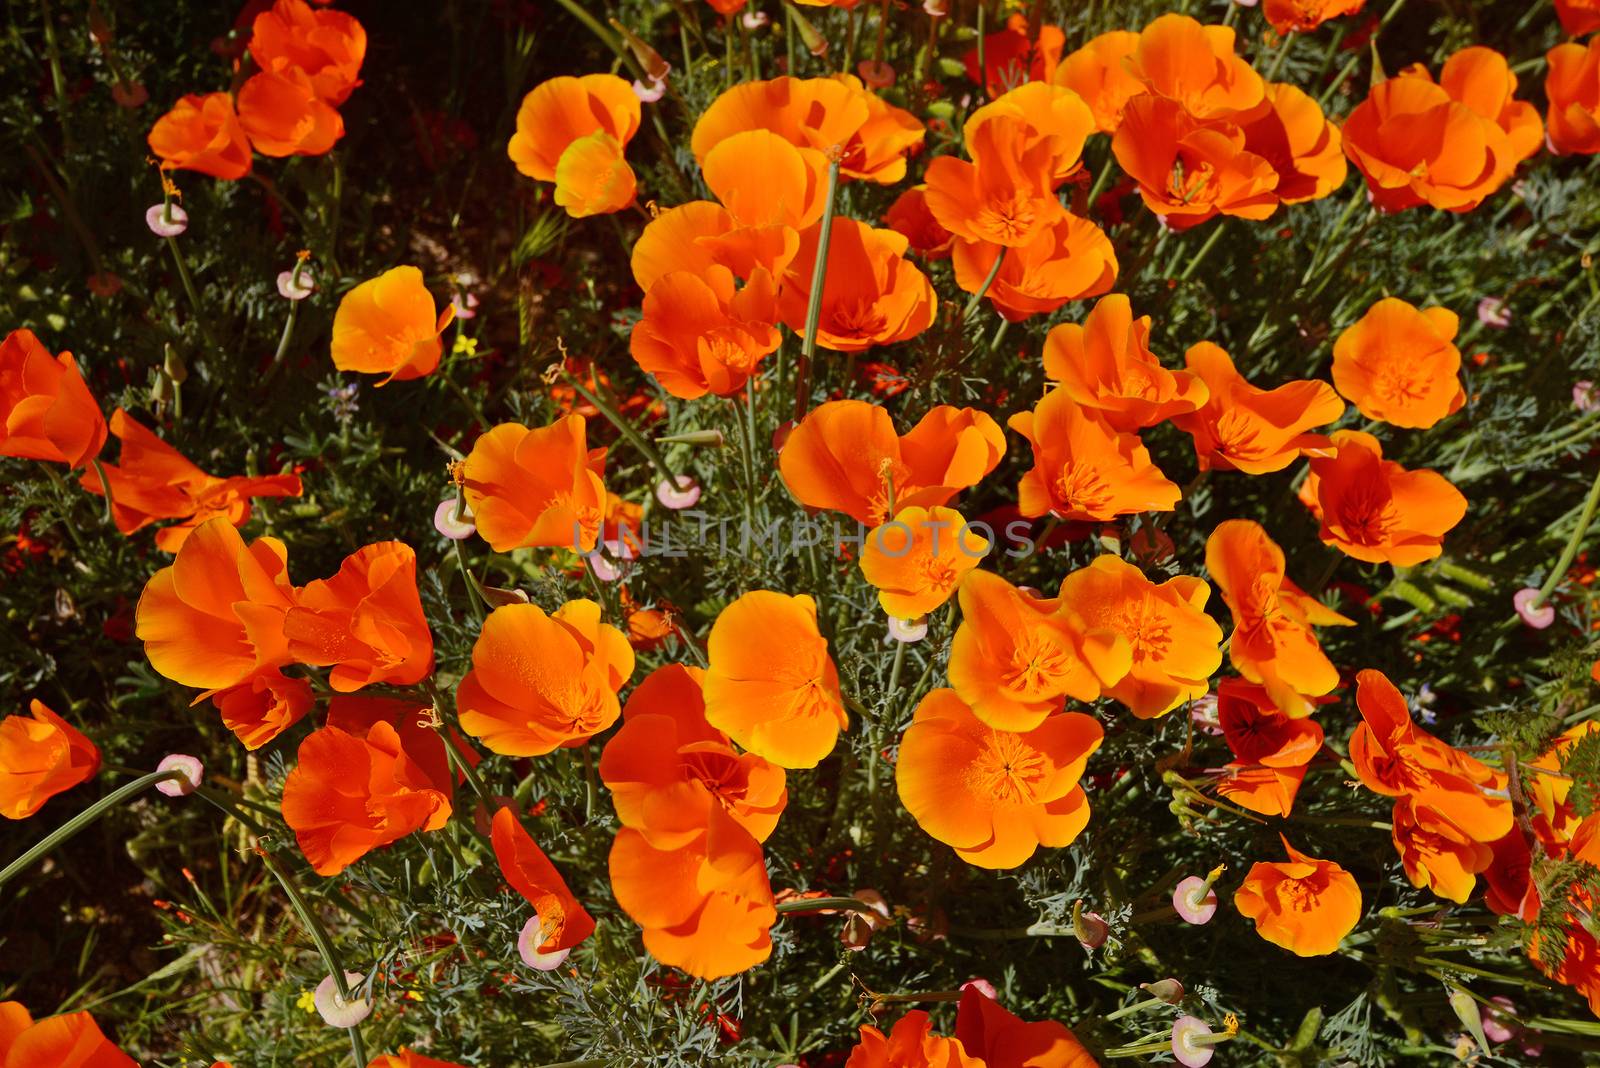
{"x": 1129, "y": 1010}
{"x": 1277, "y": 60}
{"x": 83, "y": 819}
{"x": 819, "y": 276}
{"x": 591, "y": 787}
{"x": 1350, "y": 64}
{"x": 1205, "y": 249}
{"x": 972, "y": 305}
{"x": 1571, "y": 550}
{"x": 105, "y": 488}
{"x": 625, "y": 428}
{"x": 1104, "y": 177}
{"x": 894, "y": 669}
{"x": 480, "y": 604}
{"x": 813, "y": 904}
{"x": 188, "y": 287}
{"x": 452, "y": 745}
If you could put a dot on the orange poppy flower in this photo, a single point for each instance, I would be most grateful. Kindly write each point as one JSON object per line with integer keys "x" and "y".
{"x": 872, "y": 295}
{"x": 387, "y": 326}
{"x": 529, "y": 487}
{"x": 572, "y": 131}
{"x": 844, "y": 456}
{"x": 282, "y": 114}
{"x": 214, "y": 616}
{"x": 1188, "y": 169}
{"x": 39, "y": 758}
{"x": 699, "y": 334}
{"x": 1417, "y": 142}
{"x": 152, "y": 481}
{"x": 1070, "y": 260}
{"x": 46, "y": 410}
{"x": 707, "y": 907}
{"x": 1481, "y": 79}
{"x": 1298, "y": 142}
{"x": 1003, "y": 1040}
{"x": 1578, "y": 17}
{"x": 1579, "y": 965}
{"x": 1085, "y": 469}
{"x": 1555, "y": 817}
{"x": 1098, "y": 73}
{"x": 1174, "y": 644}
{"x": 871, "y": 136}
{"x": 909, "y": 215}
{"x": 1242, "y": 427}
{"x": 1195, "y": 67}
{"x": 366, "y": 621}
{"x": 328, "y": 46}
{"x": 1259, "y": 788}
{"x": 667, "y": 766}
{"x": 72, "y": 1040}
{"x": 351, "y": 793}
{"x": 539, "y": 682}
{"x": 1438, "y": 854}
{"x": 994, "y": 796}
{"x": 1006, "y": 194}
{"x": 910, "y": 1044}
{"x": 917, "y": 560}
{"x": 1305, "y": 905}
{"x": 1397, "y": 365}
{"x": 202, "y": 133}
{"x": 1258, "y": 732}
{"x": 413, "y": 720}
{"x": 772, "y": 686}
{"x": 562, "y": 918}
{"x": 701, "y": 235}
{"x": 1015, "y": 657}
{"x": 1105, "y": 364}
{"x": 1303, "y": 16}
{"x": 263, "y": 706}
{"x": 1396, "y": 758}
{"x": 408, "y": 1059}
{"x": 1013, "y": 57}
{"x": 1272, "y": 642}
{"x": 1375, "y": 510}
{"x": 1572, "y": 85}
{"x": 763, "y": 180}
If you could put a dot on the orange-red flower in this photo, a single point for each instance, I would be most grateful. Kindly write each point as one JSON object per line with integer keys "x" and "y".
{"x": 562, "y": 919}
{"x": 771, "y": 686}
{"x": 916, "y": 560}
{"x": 282, "y": 114}
{"x": 1303, "y": 16}
{"x": 39, "y": 758}
{"x": 1242, "y": 427}
{"x": 327, "y": 46}
{"x": 73, "y": 1040}
{"x": 1306, "y": 905}
{"x": 1438, "y": 854}
{"x": 1195, "y": 67}
{"x": 1190, "y": 170}
{"x": 407, "y": 1059}
{"x": 1083, "y": 468}
{"x": 387, "y": 326}
{"x": 202, "y": 133}
{"x": 1013, "y": 57}
{"x": 1259, "y": 788}
{"x": 414, "y": 721}
{"x": 152, "y": 481}
{"x": 909, "y": 215}
{"x": 1572, "y": 86}
{"x": 46, "y": 410}
{"x": 1006, "y": 194}
{"x": 910, "y": 1044}
{"x": 1259, "y": 732}
{"x": 263, "y": 706}
{"x": 699, "y": 334}
{"x": 994, "y": 796}
{"x": 351, "y": 793}
{"x": 1397, "y": 364}
{"x": 1098, "y": 73}
{"x": 1375, "y": 510}
{"x": 871, "y": 295}
{"x": 1272, "y": 642}
{"x": 366, "y": 621}
{"x": 1298, "y": 142}
{"x": 826, "y": 114}
{"x": 1173, "y": 643}
{"x": 1015, "y": 657}
{"x": 1069, "y": 260}
{"x": 1105, "y": 364}
{"x": 572, "y": 131}
{"x": 1555, "y": 816}
{"x": 986, "y": 1030}
{"x": 1450, "y": 144}
{"x": 1578, "y": 17}
{"x": 214, "y": 616}
{"x": 536, "y": 486}
{"x": 845, "y": 456}
{"x": 667, "y": 767}
{"x": 706, "y": 907}
{"x": 539, "y": 682}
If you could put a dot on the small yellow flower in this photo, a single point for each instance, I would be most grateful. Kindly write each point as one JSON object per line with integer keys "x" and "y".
{"x": 306, "y": 1002}
{"x": 414, "y": 995}
{"x": 464, "y": 346}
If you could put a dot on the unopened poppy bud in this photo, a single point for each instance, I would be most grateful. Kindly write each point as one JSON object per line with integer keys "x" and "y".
{"x": 815, "y": 43}
{"x": 859, "y": 927}
{"x": 337, "y": 1011}
{"x": 1466, "y": 1010}
{"x": 166, "y": 219}
{"x": 173, "y": 367}
{"x": 453, "y": 519}
{"x": 1168, "y": 990}
{"x": 191, "y": 770}
{"x": 1090, "y": 928}
{"x": 161, "y": 389}
{"x": 1534, "y": 613}
{"x": 655, "y": 68}
{"x": 528, "y": 943}
{"x": 694, "y": 437}
{"x": 686, "y": 494}
{"x": 875, "y": 73}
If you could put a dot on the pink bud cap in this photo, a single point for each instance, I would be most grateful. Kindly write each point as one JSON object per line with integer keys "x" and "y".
{"x": 908, "y": 630}
{"x": 1538, "y": 617}
{"x": 446, "y": 523}
{"x": 166, "y": 219}
{"x": 193, "y": 773}
{"x": 289, "y": 289}
{"x": 528, "y": 943}
{"x": 1194, "y": 901}
{"x": 685, "y": 495}
{"x": 1185, "y": 1029}
{"x": 335, "y": 1010}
